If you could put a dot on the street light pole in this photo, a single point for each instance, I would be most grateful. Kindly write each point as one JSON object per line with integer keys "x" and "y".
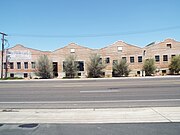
{"x": 3, "y": 35}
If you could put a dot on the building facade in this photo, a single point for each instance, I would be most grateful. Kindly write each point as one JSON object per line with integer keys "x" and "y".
{"x": 21, "y": 61}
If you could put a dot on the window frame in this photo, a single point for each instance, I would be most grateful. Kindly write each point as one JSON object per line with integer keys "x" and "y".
{"x": 140, "y": 59}
{"x": 165, "y": 58}
{"x": 124, "y": 58}
{"x": 18, "y": 65}
{"x": 4, "y": 65}
{"x": 119, "y": 48}
{"x": 157, "y": 58}
{"x": 131, "y": 59}
{"x": 107, "y": 60}
{"x": 115, "y": 62}
{"x": 33, "y": 65}
{"x": 11, "y": 65}
{"x": 26, "y": 65}
{"x": 79, "y": 67}
{"x": 25, "y": 75}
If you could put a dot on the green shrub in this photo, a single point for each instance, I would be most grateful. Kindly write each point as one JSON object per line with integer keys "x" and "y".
{"x": 44, "y": 67}
{"x": 149, "y": 67}
{"x": 95, "y": 66}
{"x": 174, "y": 67}
{"x": 121, "y": 69}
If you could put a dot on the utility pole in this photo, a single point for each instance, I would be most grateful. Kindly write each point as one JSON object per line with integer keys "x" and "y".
{"x": 6, "y": 70}
{"x": 3, "y": 35}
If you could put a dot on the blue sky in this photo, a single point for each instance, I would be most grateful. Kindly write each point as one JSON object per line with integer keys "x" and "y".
{"x": 52, "y": 24}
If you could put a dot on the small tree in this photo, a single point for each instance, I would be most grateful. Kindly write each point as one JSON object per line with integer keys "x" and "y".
{"x": 70, "y": 66}
{"x": 174, "y": 67}
{"x": 95, "y": 66}
{"x": 120, "y": 68}
{"x": 44, "y": 67}
{"x": 149, "y": 67}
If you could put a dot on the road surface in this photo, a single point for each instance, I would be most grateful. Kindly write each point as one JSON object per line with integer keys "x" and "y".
{"x": 91, "y": 93}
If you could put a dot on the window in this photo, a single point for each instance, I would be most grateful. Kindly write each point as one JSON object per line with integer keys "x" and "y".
{"x": 12, "y": 75}
{"x": 157, "y": 59}
{"x": 124, "y": 58}
{"x": 64, "y": 65}
{"x": 119, "y": 49}
{"x": 25, "y": 75}
{"x": 165, "y": 57}
{"x": 144, "y": 52}
{"x": 163, "y": 71}
{"x": 169, "y": 45}
{"x": 107, "y": 60}
{"x": 33, "y": 65}
{"x": 131, "y": 59}
{"x": 139, "y": 58}
{"x": 138, "y": 72}
{"x": 5, "y": 65}
{"x": 80, "y": 66}
{"x": 25, "y": 65}
{"x": 172, "y": 56}
{"x": 115, "y": 62}
{"x": 100, "y": 60}
{"x": 18, "y": 65}
{"x": 72, "y": 50}
{"x": 11, "y": 65}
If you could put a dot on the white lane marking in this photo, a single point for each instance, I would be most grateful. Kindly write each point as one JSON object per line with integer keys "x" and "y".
{"x": 74, "y": 102}
{"x": 99, "y": 91}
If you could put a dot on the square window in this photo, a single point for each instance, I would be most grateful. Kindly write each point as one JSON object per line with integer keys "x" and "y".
{"x": 131, "y": 59}
{"x": 169, "y": 45}
{"x": 80, "y": 66}
{"x": 165, "y": 57}
{"x": 5, "y": 65}
{"x": 139, "y": 58}
{"x": 72, "y": 50}
{"x": 115, "y": 62}
{"x": 33, "y": 65}
{"x": 11, "y": 65}
{"x": 163, "y": 71}
{"x": 107, "y": 60}
{"x": 157, "y": 58}
{"x": 25, "y": 65}
{"x": 124, "y": 58}
{"x": 25, "y": 75}
{"x": 172, "y": 56}
{"x": 144, "y": 52}
{"x": 119, "y": 49}
{"x": 64, "y": 65}
{"x": 18, "y": 65}
{"x": 100, "y": 60}
{"x": 12, "y": 75}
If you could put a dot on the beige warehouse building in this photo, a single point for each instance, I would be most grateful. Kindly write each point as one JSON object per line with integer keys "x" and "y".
{"x": 21, "y": 61}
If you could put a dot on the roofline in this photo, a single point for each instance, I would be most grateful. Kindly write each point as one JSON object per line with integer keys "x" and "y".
{"x": 121, "y": 42}
{"x": 28, "y": 48}
{"x": 74, "y": 44}
{"x": 99, "y": 48}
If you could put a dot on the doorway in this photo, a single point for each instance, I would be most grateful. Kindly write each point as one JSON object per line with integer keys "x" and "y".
{"x": 55, "y": 69}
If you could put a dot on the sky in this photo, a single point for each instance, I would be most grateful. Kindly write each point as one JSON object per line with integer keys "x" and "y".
{"x": 51, "y": 24}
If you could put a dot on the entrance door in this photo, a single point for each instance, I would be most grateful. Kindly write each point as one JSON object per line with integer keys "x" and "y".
{"x": 55, "y": 69}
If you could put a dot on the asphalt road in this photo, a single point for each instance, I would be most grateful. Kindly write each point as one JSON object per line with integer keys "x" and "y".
{"x": 93, "y": 93}
{"x": 91, "y": 129}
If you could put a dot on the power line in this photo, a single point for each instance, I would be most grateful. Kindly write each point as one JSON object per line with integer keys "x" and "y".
{"x": 95, "y": 35}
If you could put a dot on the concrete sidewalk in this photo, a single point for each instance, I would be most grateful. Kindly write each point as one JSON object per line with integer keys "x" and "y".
{"x": 113, "y": 115}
